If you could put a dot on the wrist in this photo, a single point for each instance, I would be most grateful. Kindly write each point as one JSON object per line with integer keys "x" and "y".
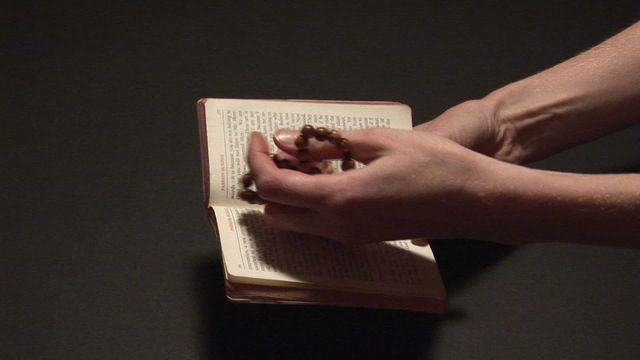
{"x": 514, "y": 202}
{"x": 571, "y": 103}
{"x": 477, "y": 125}
{"x": 497, "y": 107}
{"x": 539, "y": 117}
{"x": 531, "y": 118}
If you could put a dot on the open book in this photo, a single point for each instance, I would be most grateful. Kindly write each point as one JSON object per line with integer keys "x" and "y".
{"x": 265, "y": 265}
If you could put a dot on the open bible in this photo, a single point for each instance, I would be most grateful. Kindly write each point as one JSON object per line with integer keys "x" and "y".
{"x": 266, "y": 265}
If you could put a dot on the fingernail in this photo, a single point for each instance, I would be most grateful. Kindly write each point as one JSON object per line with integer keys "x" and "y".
{"x": 285, "y": 138}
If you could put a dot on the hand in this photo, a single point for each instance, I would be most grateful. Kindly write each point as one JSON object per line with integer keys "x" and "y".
{"x": 475, "y": 125}
{"x": 415, "y": 184}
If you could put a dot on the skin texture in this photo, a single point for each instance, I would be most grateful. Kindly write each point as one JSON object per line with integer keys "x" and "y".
{"x": 458, "y": 175}
{"x": 396, "y": 191}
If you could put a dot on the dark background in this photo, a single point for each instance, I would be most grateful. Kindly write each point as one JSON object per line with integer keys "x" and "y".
{"x": 106, "y": 251}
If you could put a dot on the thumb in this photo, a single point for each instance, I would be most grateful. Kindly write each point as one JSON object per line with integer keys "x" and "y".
{"x": 364, "y": 145}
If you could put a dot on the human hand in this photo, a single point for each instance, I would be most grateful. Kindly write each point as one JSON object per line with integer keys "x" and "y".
{"x": 476, "y": 125}
{"x": 415, "y": 184}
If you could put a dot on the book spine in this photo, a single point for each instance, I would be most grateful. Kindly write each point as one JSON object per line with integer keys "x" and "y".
{"x": 204, "y": 149}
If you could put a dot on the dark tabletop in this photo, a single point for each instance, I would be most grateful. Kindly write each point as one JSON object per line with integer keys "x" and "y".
{"x": 106, "y": 251}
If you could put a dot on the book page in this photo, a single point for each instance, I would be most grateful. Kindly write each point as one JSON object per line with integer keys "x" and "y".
{"x": 255, "y": 253}
{"x": 229, "y": 123}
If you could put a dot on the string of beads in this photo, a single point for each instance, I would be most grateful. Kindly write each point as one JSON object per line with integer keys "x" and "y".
{"x": 305, "y": 164}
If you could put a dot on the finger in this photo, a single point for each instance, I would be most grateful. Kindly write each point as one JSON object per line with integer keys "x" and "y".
{"x": 427, "y": 126}
{"x": 287, "y": 161}
{"x": 284, "y": 160}
{"x": 284, "y": 186}
{"x": 363, "y": 145}
{"x": 292, "y": 218}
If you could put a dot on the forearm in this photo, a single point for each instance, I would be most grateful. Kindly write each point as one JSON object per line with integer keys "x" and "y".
{"x": 527, "y": 205}
{"x": 588, "y": 96}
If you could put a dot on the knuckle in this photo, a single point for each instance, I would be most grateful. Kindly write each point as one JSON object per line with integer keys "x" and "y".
{"x": 373, "y": 132}
{"x": 382, "y": 137}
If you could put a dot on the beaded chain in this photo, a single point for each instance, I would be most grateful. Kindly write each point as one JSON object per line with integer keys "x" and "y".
{"x": 307, "y": 133}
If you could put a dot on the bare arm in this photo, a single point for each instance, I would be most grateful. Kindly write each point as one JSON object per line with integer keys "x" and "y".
{"x": 417, "y": 184}
{"x": 588, "y": 96}
{"x": 581, "y": 99}
{"x": 525, "y": 205}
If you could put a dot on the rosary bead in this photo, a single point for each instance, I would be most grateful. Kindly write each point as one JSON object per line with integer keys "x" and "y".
{"x": 249, "y": 196}
{"x": 348, "y": 164}
{"x": 301, "y": 141}
{"x": 247, "y": 180}
{"x": 287, "y": 164}
{"x": 309, "y": 167}
{"x": 344, "y": 144}
{"x": 321, "y": 133}
{"x": 326, "y": 167}
{"x": 307, "y": 131}
{"x": 304, "y": 161}
{"x": 282, "y": 163}
{"x": 334, "y": 137}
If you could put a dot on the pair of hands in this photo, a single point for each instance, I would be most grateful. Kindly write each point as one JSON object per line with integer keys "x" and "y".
{"x": 445, "y": 179}
{"x": 421, "y": 183}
